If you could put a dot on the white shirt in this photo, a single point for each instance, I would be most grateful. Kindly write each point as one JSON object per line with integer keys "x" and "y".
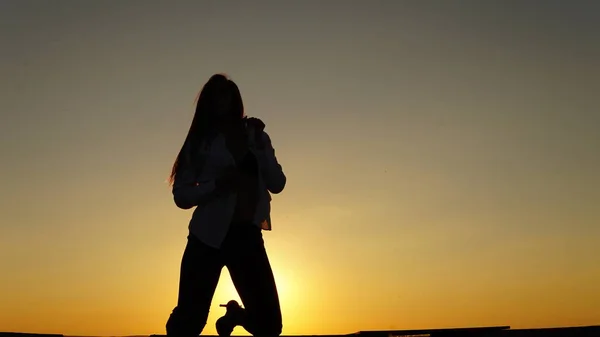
{"x": 213, "y": 214}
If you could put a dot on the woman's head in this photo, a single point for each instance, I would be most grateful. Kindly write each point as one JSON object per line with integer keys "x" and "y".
{"x": 220, "y": 102}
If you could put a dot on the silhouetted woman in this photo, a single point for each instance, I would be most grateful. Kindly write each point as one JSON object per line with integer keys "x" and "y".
{"x": 227, "y": 169}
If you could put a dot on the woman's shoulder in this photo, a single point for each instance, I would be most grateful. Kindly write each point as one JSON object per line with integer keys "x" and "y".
{"x": 264, "y": 136}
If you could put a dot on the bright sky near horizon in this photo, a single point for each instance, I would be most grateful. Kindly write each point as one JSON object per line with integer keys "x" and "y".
{"x": 442, "y": 159}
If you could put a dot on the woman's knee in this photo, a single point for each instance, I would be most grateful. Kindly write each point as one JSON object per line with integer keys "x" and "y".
{"x": 184, "y": 323}
{"x": 265, "y": 325}
{"x": 268, "y": 330}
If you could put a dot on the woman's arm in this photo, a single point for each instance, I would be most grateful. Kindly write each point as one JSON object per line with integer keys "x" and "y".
{"x": 189, "y": 192}
{"x": 272, "y": 171}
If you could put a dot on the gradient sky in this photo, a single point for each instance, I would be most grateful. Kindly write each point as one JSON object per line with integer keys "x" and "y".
{"x": 442, "y": 159}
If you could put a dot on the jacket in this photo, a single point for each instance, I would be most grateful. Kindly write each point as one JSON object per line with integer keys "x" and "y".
{"x": 213, "y": 213}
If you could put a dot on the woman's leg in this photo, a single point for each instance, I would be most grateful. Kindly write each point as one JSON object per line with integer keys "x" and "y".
{"x": 201, "y": 267}
{"x": 251, "y": 273}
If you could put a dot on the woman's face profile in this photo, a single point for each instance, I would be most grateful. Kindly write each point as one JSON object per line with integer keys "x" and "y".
{"x": 223, "y": 104}
{"x": 225, "y": 114}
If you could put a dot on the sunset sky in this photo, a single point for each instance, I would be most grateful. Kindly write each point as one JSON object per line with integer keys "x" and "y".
{"x": 443, "y": 159}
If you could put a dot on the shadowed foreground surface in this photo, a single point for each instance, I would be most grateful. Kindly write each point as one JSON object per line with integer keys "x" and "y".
{"x": 499, "y": 331}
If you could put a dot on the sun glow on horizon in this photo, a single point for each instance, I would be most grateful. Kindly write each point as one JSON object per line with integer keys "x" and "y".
{"x": 442, "y": 163}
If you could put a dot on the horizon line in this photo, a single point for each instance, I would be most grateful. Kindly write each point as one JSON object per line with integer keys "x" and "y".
{"x": 370, "y": 333}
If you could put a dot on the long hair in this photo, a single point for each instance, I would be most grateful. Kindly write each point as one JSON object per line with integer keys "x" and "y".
{"x": 217, "y": 92}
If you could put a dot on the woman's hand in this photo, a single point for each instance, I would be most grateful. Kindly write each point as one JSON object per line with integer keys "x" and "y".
{"x": 259, "y": 127}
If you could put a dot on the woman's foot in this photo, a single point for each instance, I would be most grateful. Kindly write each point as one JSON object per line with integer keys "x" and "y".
{"x": 235, "y": 316}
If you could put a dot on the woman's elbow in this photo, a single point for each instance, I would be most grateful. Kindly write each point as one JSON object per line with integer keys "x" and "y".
{"x": 182, "y": 202}
{"x": 277, "y": 187}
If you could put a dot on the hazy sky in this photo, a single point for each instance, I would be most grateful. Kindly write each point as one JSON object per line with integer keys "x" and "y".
{"x": 442, "y": 159}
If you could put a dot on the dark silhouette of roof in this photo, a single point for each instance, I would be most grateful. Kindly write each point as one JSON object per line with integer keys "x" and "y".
{"x": 493, "y": 331}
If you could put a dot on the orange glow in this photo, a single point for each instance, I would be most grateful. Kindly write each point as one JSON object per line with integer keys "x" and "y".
{"x": 442, "y": 163}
